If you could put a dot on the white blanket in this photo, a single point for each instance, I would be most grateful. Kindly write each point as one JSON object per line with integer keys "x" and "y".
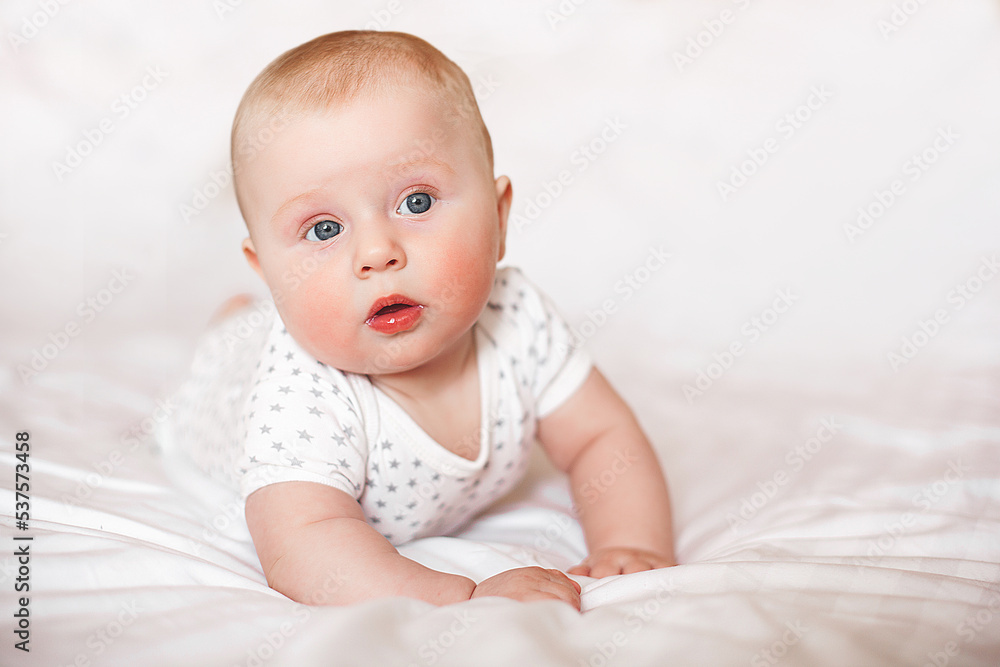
{"x": 817, "y": 362}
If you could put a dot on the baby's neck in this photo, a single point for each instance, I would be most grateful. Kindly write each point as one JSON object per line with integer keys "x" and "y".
{"x": 436, "y": 376}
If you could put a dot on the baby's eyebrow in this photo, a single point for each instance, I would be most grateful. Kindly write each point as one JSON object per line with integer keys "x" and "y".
{"x": 404, "y": 165}
{"x": 411, "y": 163}
{"x": 292, "y": 202}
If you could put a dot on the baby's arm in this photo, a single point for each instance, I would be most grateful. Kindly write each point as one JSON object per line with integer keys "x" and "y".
{"x": 618, "y": 487}
{"x": 316, "y": 548}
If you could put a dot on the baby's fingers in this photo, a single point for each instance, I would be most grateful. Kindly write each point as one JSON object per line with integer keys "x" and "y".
{"x": 561, "y": 587}
{"x": 609, "y": 566}
{"x": 620, "y": 561}
{"x": 560, "y": 593}
{"x": 636, "y": 565}
{"x": 531, "y": 583}
{"x": 562, "y": 578}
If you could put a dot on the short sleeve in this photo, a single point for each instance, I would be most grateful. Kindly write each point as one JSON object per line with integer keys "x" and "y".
{"x": 301, "y": 423}
{"x": 555, "y": 362}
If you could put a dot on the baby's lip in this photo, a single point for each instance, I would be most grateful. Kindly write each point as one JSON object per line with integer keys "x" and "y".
{"x": 386, "y": 301}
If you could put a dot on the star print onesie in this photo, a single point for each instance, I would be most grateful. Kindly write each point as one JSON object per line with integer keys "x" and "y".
{"x": 258, "y": 410}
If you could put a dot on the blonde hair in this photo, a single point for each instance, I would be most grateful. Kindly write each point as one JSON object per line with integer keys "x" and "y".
{"x": 335, "y": 68}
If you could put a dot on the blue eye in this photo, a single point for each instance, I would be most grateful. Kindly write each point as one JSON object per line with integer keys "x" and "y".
{"x": 415, "y": 204}
{"x": 324, "y": 230}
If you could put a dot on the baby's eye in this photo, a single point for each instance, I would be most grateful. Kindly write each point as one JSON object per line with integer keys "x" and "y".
{"x": 324, "y": 230}
{"x": 415, "y": 204}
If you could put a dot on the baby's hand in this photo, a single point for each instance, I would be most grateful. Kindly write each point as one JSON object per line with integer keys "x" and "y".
{"x": 531, "y": 583}
{"x": 620, "y": 560}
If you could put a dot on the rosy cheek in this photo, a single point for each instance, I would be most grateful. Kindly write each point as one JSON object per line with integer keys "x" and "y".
{"x": 316, "y": 310}
{"x": 326, "y": 305}
{"x": 466, "y": 276}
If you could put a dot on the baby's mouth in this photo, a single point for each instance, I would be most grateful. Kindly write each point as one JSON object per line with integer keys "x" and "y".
{"x": 393, "y": 313}
{"x": 392, "y": 309}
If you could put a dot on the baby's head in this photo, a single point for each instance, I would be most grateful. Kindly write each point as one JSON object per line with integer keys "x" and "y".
{"x": 364, "y": 173}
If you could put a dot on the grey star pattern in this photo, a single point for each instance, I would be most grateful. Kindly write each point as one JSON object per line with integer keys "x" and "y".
{"x": 411, "y": 489}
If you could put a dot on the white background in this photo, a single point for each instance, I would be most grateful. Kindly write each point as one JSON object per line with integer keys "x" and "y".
{"x": 546, "y": 87}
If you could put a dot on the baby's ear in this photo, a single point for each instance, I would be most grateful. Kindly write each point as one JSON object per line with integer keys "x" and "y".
{"x": 251, "y": 254}
{"x": 504, "y": 194}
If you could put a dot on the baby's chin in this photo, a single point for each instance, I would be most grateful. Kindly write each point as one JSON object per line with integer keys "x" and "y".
{"x": 398, "y": 355}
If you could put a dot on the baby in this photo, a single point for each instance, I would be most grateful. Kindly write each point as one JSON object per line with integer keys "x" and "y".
{"x": 400, "y": 379}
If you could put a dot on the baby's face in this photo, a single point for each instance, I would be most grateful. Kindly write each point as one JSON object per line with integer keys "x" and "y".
{"x": 378, "y": 227}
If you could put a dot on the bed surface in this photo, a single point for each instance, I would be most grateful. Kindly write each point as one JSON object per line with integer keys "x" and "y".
{"x": 835, "y": 481}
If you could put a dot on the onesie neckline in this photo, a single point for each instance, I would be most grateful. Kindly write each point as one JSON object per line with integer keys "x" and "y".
{"x": 430, "y": 450}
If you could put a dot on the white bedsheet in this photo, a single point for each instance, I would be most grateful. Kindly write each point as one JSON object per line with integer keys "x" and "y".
{"x": 870, "y": 554}
{"x": 833, "y": 506}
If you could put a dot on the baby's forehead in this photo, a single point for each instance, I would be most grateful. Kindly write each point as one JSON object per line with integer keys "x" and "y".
{"x": 434, "y": 115}
{"x": 363, "y": 142}
{"x": 314, "y": 80}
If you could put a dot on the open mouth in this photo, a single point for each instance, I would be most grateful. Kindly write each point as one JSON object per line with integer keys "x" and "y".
{"x": 392, "y": 308}
{"x": 393, "y": 313}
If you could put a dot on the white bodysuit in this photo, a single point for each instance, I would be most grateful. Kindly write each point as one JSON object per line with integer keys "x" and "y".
{"x": 260, "y": 410}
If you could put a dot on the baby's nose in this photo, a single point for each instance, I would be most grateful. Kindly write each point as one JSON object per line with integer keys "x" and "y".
{"x": 378, "y": 250}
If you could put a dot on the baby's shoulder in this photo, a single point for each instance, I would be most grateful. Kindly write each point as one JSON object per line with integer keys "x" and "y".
{"x": 518, "y": 312}
{"x": 514, "y": 297}
{"x": 290, "y": 376}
